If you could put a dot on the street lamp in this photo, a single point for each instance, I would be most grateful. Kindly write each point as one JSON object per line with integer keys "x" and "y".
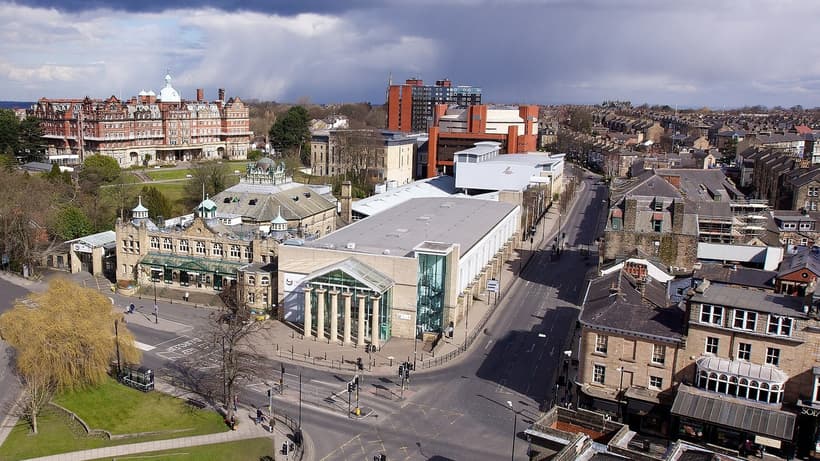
{"x": 515, "y": 429}
{"x": 620, "y": 387}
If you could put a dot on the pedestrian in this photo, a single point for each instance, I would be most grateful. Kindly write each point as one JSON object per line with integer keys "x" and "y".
{"x": 259, "y": 417}
{"x": 233, "y": 423}
{"x": 156, "y": 313}
{"x": 235, "y": 402}
{"x": 186, "y": 296}
{"x": 131, "y": 308}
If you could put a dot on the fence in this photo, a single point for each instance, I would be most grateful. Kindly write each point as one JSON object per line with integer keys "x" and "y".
{"x": 299, "y": 452}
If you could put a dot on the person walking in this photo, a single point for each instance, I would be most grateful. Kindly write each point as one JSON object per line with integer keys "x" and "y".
{"x": 186, "y": 296}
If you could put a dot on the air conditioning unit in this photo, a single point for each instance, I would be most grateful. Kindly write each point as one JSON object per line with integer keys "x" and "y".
{"x": 351, "y": 246}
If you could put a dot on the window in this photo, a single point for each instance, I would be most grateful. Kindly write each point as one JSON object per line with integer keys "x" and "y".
{"x": 167, "y": 244}
{"x": 658, "y": 354}
{"x": 601, "y": 343}
{"x": 251, "y": 297}
{"x": 264, "y": 281}
{"x": 781, "y": 326}
{"x": 200, "y": 248}
{"x": 657, "y": 225}
{"x": 217, "y": 249}
{"x": 234, "y": 251}
{"x": 745, "y": 320}
{"x": 248, "y": 254}
{"x": 655, "y": 382}
{"x": 773, "y": 356}
{"x": 744, "y": 351}
{"x": 711, "y": 314}
{"x": 712, "y": 345}
{"x": 251, "y": 280}
{"x": 816, "y": 396}
{"x": 598, "y": 374}
{"x": 183, "y": 246}
{"x": 155, "y": 243}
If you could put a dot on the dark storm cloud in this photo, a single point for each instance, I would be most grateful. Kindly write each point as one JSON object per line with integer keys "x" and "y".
{"x": 282, "y": 7}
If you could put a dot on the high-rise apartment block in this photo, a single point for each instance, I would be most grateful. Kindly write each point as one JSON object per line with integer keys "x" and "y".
{"x": 411, "y": 106}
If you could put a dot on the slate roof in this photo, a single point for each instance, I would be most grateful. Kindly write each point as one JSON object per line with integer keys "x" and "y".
{"x": 614, "y": 302}
{"x": 704, "y": 185}
{"x": 724, "y": 295}
{"x": 262, "y": 205}
{"x": 804, "y": 259}
{"x": 739, "y": 275}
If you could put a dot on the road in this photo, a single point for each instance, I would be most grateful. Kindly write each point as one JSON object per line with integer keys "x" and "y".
{"x": 8, "y": 381}
{"x": 458, "y": 412}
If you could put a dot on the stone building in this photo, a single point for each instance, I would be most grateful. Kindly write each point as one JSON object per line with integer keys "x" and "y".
{"x": 380, "y": 156}
{"x": 147, "y": 129}
{"x": 408, "y": 271}
{"x": 649, "y": 217}
{"x": 199, "y": 253}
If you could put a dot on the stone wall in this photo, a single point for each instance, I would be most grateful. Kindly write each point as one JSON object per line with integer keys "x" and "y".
{"x": 676, "y": 250}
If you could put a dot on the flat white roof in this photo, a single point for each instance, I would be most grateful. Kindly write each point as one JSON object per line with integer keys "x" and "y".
{"x": 441, "y": 186}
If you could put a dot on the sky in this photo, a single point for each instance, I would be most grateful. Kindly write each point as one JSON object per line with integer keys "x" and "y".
{"x": 686, "y": 53}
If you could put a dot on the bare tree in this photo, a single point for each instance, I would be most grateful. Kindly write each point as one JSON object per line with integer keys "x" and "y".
{"x": 38, "y": 390}
{"x": 231, "y": 330}
{"x": 360, "y": 154}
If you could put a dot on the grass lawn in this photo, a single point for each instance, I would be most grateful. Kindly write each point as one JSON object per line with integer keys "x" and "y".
{"x": 250, "y": 450}
{"x": 115, "y": 408}
{"x": 164, "y": 173}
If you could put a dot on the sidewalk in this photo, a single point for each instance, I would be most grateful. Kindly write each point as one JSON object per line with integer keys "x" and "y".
{"x": 281, "y": 342}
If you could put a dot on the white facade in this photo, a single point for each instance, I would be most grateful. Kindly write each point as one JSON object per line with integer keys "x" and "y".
{"x": 471, "y": 263}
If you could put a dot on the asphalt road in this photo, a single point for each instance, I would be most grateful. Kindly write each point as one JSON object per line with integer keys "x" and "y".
{"x": 8, "y": 381}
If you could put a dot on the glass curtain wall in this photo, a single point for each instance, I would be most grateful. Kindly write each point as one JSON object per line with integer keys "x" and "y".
{"x": 430, "y": 310}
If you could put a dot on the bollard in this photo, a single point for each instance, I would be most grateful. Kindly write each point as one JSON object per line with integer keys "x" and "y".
{"x": 308, "y": 354}
{"x": 277, "y": 347}
{"x": 325, "y": 355}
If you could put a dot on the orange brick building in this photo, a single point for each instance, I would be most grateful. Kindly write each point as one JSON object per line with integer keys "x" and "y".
{"x": 410, "y": 106}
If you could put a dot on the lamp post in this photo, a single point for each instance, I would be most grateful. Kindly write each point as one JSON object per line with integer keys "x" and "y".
{"x": 515, "y": 429}
{"x": 620, "y": 387}
{"x": 117, "y": 339}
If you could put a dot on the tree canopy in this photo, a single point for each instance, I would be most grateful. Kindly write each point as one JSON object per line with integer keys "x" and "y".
{"x": 9, "y": 132}
{"x": 67, "y": 334}
{"x": 72, "y": 223}
{"x": 98, "y": 170}
{"x": 291, "y": 130}
{"x": 156, "y": 202}
{"x": 208, "y": 177}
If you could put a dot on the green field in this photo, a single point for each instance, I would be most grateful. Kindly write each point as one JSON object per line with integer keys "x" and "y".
{"x": 250, "y": 450}
{"x": 115, "y": 408}
{"x": 164, "y": 174}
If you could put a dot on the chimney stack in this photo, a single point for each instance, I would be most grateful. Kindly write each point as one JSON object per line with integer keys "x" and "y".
{"x": 200, "y": 95}
{"x": 222, "y": 94}
{"x": 347, "y": 201}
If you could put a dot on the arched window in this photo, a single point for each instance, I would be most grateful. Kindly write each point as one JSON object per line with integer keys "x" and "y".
{"x": 723, "y": 381}
{"x": 704, "y": 377}
{"x": 776, "y": 395}
{"x": 732, "y": 386}
{"x": 743, "y": 388}
{"x": 251, "y": 280}
{"x": 754, "y": 389}
{"x": 264, "y": 280}
{"x": 712, "y": 386}
{"x": 764, "y": 392}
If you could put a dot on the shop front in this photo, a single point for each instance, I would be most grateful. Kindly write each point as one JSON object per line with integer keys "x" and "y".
{"x": 706, "y": 417}
{"x": 184, "y": 272}
{"x": 646, "y": 412}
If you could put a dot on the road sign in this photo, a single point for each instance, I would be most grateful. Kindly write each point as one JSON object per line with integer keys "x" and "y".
{"x": 492, "y": 285}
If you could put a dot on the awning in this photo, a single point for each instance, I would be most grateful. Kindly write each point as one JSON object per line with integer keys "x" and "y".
{"x": 191, "y": 265}
{"x": 733, "y": 413}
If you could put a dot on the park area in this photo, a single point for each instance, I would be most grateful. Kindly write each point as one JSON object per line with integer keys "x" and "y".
{"x": 128, "y": 415}
{"x": 250, "y": 449}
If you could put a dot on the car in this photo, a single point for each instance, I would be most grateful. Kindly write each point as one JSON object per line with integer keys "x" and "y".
{"x": 189, "y": 176}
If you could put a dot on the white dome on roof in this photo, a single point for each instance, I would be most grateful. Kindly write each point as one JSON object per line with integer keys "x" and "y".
{"x": 143, "y": 93}
{"x": 150, "y": 93}
{"x": 168, "y": 93}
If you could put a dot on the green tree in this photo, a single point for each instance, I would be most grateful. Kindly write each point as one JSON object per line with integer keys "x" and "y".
{"x": 72, "y": 223}
{"x": 254, "y": 155}
{"x": 98, "y": 170}
{"x": 208, "y": 177}
{"x": 9, "y": 132}
{"x": 156, "y": 202}
{"x": 291, "y": 131}
{"x": 64, "y": 339}
{"x": 30, "y": 139}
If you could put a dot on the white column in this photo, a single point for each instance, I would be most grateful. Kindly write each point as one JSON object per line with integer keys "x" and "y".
{"x": 360, "y": 339}
{"x": 307, "y": 312}
{"x": 374, "y": 320}
{"x": 334, "y": 315}
{"x": 346, "y": 333}
{"x": 320, "y": 313}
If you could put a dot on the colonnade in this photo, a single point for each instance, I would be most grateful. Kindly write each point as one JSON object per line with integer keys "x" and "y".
{"x": 332, "y": 333}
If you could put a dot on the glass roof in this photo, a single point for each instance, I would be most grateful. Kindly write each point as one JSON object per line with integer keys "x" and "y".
{"x": 188, "y": 264}
{"x": 365, "y": 274}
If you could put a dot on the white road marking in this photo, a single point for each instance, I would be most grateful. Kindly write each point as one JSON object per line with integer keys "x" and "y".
{"x": 488, "y": 344}
{"x": 143, "y": 346}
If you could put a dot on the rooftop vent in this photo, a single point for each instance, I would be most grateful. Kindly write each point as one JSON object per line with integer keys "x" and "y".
{"x": 295, "y": 198}
{"x": 447, "y": 205}
{"x": 423, "y": 218}
{"x": 386, "y": 252}
{"x": 252, "y": 202}
{"x": 351, "y": 245}
{"x": 226, "y": 200}
{"x": 306, "y": 194}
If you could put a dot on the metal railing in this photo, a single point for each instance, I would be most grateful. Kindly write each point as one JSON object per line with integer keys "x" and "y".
{"x": 299, "y": 451}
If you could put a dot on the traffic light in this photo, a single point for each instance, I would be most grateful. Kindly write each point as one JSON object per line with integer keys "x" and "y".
{"x": 350, "y": 387}
{"x": 401, "y": 370}
{"x": 356, "y": 381}
{"x": 268, "y": 393}
{"x": 359, "y": 363}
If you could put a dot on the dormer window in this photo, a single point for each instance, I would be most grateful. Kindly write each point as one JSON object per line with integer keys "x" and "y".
{"x": 658, "y": 205}
{"x": 745, "y": 320}
{"x": 780, "y": 326}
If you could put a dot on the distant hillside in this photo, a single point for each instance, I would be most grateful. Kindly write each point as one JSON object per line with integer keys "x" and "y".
{"x": 15, "y": 104}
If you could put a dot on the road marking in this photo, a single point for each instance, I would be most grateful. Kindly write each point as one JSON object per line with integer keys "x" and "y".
{"x": 170, "y": 340}
{"x": 325, "y": 383}
{"x": 488, "y": 344}
{"x": 143, "y": 346}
